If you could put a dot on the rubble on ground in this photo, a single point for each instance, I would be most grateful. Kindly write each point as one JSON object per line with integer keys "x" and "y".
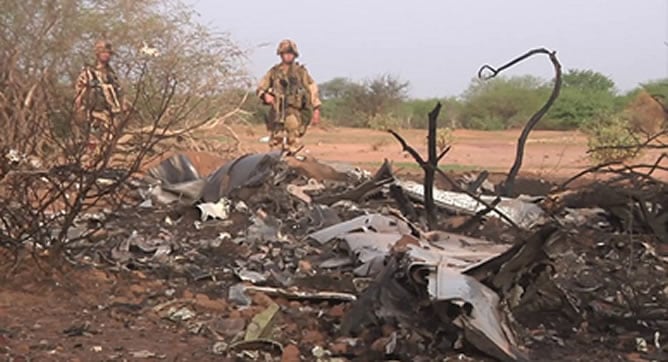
{"x": 308, "y": 259}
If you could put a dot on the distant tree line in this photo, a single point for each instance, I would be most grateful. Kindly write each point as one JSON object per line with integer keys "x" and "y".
{"x": 501, "y": 103}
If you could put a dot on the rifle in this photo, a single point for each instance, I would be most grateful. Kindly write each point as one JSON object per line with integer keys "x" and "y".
{"x": 281, "y": 105}
{"x": 107, "y": 91}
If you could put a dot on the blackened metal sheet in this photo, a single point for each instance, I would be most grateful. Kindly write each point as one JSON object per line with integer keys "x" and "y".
{"x": 246, "y": 170}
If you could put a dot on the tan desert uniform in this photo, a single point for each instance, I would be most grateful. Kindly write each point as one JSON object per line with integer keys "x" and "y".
{"x": 99, "y": 96}
{"x": 296, "y": 96}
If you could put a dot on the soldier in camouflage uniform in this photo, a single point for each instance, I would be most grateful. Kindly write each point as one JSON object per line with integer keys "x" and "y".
{"x": 99, "y": 97}
{"x": 293, "y": 96}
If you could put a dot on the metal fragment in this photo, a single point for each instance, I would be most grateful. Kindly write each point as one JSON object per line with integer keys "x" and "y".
{"x": 304, "y": 295}
{"x": 258, "y": 327}
{"x": 376, "y": 222}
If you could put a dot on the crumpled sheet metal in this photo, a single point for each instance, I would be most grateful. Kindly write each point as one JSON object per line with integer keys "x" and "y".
{"x": 370, "y": 249}
{"x": 175, "y": 170}
{"x": 185, "y": 192}
{"x": 156, "y": 248}
{"x": 443, "y": 259}
{"x": 376, "y": 222}
{"x": 244, "y": 171}
{"x": 456, "y": 251}
{"x": 483, "y": 326}
{"x": 525, "y": 214}
{"x": 180, "y": 181}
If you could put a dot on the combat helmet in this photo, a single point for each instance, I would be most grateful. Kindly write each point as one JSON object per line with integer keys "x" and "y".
{"x": 102, "y": 46}
{"x": 287, "y": 45}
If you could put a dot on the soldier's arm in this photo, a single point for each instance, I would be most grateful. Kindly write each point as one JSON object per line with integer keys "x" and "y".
{"x": 312, "y": 87}
{"x": 264, "y": 85}
{"x": 80, "y": 89}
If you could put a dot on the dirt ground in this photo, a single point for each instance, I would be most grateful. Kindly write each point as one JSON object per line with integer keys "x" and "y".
{"x": 64, "y": 313}
{"x": 548, "y": 154}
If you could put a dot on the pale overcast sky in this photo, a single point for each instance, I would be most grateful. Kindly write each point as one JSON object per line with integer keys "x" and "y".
{"x": 438, "y": 45}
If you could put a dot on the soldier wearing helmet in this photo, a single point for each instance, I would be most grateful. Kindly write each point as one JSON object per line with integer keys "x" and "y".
{"x": 99, "y": 97}
{"x": 293, "y": 96}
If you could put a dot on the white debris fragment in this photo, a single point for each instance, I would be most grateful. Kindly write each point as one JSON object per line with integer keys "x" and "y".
{"x": 143, "y": 354}
{"x": 180, "y": 314}
{"x": 13, "y": 156}
{"x": 219, "y": 210}
{"x": 219, "y": 348}
{"x": 523, "y": 213}
{"x": 641, "y": 345}
{"x": 241, "y": 207}
{"x": 149, "y": 51}
{"x": 250, "y": 276}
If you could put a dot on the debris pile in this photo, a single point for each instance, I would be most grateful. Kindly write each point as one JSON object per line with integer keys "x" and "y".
{"x": 329, "y": 263}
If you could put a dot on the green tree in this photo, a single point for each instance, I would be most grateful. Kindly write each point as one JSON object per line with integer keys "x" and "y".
{"x": 336, "y": 88}
{"x": 502, "y": 102}
{"x": 588, "y": 80}
{"x": 356, "y": 104}
{"x": 585, "y": 94}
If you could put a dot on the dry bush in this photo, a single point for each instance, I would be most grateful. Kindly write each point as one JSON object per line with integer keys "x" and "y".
{"x": 384, "y": 122}
{"x": 45, "y": 191}
{"x": 444, "y": 138}
{"x": 611, "y": 139}
{"x": 645, "y": 114}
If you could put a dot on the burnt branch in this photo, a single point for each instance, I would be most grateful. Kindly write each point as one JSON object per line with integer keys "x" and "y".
{"x": 507, "y": 187}
{"x": 429, "y": 166}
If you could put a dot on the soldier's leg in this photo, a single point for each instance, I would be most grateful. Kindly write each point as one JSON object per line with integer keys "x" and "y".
{"x": 99, "y": 135}
{"x": 292, "y": 127}
{"x": 277, "y": 135}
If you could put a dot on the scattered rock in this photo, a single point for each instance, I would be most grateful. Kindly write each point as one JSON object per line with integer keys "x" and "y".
{"x": 380, "y": 344}
{"x": 262, "y": 299}
{"x": 339, "y": 348}
{"x": 305, "y": 266}
{"x": 237, "y": 295}
{"x": 291, "y": 354}
{"x": 313, "y": 337}
{"x": 337, "y": 311}
{"x": 218, "y": 305}
{"x": 229, "y": 327}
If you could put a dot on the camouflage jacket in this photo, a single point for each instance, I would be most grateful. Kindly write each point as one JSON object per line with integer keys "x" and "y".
{"x": 98, "y": 89}
{"x": 291, "y": 83}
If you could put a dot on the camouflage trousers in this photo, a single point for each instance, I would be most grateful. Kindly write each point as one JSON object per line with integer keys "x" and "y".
{"x": 286, "y": 134}
{"x": 99, "y": 133}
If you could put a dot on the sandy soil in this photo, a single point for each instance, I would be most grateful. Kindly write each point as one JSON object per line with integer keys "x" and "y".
{"x": 549, "y": 154}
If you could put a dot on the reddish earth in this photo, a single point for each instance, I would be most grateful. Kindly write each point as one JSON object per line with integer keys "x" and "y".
{"x": 548, "y": 154}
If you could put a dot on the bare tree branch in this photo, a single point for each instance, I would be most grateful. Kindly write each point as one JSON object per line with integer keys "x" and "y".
{"x": 507, "y": 188}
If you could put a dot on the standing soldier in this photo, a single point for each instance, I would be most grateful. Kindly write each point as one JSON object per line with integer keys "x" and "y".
{"x": 99, "y": 97}
{"x": 293, "y": 96}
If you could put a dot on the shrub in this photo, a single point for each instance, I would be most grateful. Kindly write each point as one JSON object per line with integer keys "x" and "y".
{"x": 611, "y": 139}
{"x": 444, "y": 138}
{"x": 384, "y": 122}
